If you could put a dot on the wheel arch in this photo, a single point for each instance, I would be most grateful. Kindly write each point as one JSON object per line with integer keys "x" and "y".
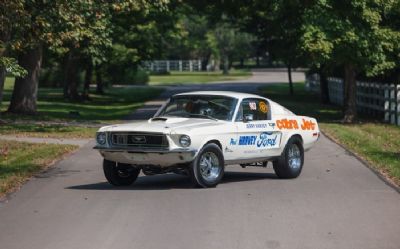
{"x": 214, "y": 141}
{"x": 298, "y": 136}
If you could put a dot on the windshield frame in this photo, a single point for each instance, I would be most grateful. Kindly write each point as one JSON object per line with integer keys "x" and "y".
{"x": 235, "y": 108}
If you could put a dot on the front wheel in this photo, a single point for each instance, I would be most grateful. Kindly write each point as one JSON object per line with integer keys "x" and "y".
{"x": 120, "y": 174}
{"x": 290, "y": 163}
{"x": 207, "y": 169}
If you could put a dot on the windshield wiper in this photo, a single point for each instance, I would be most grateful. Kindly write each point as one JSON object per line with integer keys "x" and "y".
{"x": 202, "y": 115}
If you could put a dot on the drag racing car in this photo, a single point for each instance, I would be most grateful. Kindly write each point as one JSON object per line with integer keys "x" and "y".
{"x": 200, "y": 133}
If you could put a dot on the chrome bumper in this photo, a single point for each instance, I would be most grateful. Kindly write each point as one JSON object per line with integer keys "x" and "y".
{"x": 148, "y": 156}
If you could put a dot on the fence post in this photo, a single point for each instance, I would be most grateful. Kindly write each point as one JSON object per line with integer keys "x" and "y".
{"x": 392, "y": 105}
{"x": 180, "y": 65}
{"x": 199, "y": 64}
{"x": 168, "y": 66}
{"x": 190, "y": 66}
{"x": 387, "y": 104}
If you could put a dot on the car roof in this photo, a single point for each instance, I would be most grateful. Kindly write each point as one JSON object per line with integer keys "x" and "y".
{"x": 237, "y": 95}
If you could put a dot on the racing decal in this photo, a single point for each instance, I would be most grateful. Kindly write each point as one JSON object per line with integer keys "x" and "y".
{"x": 228, "y": 150}
{"x": 287, "y": 124}
{"x": 308, "y": 125}
{"x": 253, "y": 126}
{"x": 247, "y": 140}
{"x": 253, "y": 106}
{"x": 265, "y": 139}
{"x": 263, "y": 107}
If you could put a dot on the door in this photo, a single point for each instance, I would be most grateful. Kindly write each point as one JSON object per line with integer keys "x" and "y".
{"x": 257, "y": 135}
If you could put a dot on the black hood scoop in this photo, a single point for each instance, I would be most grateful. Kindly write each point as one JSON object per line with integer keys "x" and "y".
{"x": 158, "y": 119}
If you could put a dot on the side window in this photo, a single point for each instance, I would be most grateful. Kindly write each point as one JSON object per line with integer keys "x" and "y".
{"x": 254, "y": 109}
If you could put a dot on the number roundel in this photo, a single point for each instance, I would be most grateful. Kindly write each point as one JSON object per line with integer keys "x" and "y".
{"x": 263, "y": 107}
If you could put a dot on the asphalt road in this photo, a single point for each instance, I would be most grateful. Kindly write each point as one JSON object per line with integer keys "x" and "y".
{"x": 337, "y": 202}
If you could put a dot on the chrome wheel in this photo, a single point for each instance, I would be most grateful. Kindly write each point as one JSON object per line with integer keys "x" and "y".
{"x": 294, "y": 156}
{"x": 210, "y": 167}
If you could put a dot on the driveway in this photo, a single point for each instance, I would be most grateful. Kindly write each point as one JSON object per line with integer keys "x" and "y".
{"x": 337, "y": 202}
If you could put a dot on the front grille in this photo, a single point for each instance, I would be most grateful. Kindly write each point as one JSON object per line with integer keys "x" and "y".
{"x": 138, "y": 139}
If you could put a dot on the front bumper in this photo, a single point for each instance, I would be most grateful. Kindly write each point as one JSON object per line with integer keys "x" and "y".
{"x": 148, "y": 156}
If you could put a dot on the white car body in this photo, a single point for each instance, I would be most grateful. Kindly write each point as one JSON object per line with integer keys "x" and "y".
{"x": 240, "y": 142}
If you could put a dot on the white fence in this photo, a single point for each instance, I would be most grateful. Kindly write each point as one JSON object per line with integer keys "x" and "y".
{"x": 373, "y": 99}
{"x": 172, "y": 65}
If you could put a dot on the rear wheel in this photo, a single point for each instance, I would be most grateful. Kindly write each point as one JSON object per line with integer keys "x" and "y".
{"x": 207, "y": 169}
{"x": 120, "y": 174}
{"x": 290, "y": 163}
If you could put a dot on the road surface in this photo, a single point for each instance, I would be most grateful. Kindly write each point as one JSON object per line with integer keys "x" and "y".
{"x": 337, "y": 202}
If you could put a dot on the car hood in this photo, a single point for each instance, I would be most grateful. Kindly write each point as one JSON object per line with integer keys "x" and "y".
{"x": 165, "y": 125}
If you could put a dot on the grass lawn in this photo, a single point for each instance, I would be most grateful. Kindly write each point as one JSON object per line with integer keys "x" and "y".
{"x": 19, "y": 161}
{"x": 377, "y": 143}
{"x": 180, "y": 78}
{"x": 47, "y": 130}
{"x": 114, "y": 105}
{"x": 117, "y": 103}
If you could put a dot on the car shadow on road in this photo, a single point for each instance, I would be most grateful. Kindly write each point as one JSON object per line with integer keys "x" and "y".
{"x": 173, "y": 181}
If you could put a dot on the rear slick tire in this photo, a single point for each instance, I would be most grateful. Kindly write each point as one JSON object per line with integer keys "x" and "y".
{"x": 290, "y": 163}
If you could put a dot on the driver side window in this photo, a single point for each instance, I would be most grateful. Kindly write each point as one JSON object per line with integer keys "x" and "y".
{"x": 253, "y": 110}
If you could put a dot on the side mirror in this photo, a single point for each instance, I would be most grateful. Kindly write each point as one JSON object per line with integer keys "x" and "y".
{"x": 248, "y": 117}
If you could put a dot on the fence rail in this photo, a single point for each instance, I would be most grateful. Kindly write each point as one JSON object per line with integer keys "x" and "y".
{"x": 374, "y": 99}
{"x": 172, "y": 65}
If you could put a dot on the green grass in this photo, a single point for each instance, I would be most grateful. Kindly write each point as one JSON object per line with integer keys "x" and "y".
{"x": 19, "y": 161}
{"x": 114, "y": 105}
{"x": 376, "y": 143}
{"x": 180, "y": 78}
{"x": 47, "y": 130}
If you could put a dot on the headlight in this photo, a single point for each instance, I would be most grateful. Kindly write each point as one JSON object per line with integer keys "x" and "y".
{"x": 184, "y": 140}
{"x": 101, "y": 138}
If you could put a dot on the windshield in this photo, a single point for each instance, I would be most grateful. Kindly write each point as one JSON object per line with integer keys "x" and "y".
{"x": 200, "y": 106}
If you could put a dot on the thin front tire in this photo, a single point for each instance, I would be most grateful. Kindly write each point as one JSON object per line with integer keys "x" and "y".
{"x": 207, "y": 169}
{"x": 120, "y": 174}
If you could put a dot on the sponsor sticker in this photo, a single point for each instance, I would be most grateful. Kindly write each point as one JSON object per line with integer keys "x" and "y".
{"x": 253, "y": 106}
{"x": 267, "y": 125}
{"x": 264, "y": 140}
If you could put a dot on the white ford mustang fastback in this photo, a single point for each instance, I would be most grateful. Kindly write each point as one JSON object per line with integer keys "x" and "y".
{"x": 199, "y": 133}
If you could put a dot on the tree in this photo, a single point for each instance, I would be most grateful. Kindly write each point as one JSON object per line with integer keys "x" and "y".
{"x": 8, "y": 64}
{"x": 351, "y": 34}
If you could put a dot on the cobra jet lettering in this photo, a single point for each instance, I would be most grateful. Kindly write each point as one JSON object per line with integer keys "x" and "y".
{"x": 247, "y": 140}
{"x": 287, "y": 124}
{"x": 308, "y": 125}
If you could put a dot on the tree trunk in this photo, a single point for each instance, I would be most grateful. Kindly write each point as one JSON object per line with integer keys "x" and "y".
{"x": 88, "y": 80}
{"x": 350, "y": 94}
{"x": 241, "y": 62}
{"x": 99, "y": 81}
{"x": 24, "y": 95}
{"x": 323, "y": 84}
{"x": 2, "y": 80}
{"x": 226, "y": 66}
{"x": 71, "y": 77}
{"x": 289, "y": 70}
